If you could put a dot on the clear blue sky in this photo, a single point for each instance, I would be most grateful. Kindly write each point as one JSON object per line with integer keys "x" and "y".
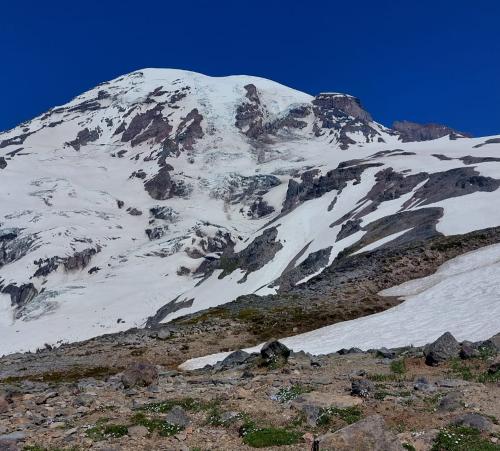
{"x": 428, "y": 61}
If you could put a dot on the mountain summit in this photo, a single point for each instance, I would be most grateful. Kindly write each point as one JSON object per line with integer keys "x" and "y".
{"x": 165, "y": 192}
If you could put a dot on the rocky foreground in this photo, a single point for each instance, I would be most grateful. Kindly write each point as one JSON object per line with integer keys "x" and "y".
{"x": 445, "y": 396}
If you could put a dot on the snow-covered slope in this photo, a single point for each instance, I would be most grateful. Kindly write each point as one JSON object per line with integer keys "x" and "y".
{"x": 165, "y": 192}
{"x": 462, "y": 297}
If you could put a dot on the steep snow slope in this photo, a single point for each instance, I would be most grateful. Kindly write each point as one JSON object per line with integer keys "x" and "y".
{"x": 462, "y": 297}
{"x": 164, "y": 192}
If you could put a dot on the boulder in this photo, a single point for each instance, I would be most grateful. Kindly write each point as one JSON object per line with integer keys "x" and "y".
{"x": 468, "y": 351}
{"x": 235, "y": 359}
{"x": 444, "y": 348}
{"x": 474, "y": 420}
{"x": 139, "y": 374}
{"x": 422, "y": 384}
{"x": 367, "y": 434}
{"x": 138, "y": 431}
{"x": 362, "y": 388}
{"x": 178, "y": 417}
{"x": 274, "y": 351}
{"x": 493, "y": 343}
{"x": 4, "y": 403}
{"x": 495, "y": 366}
{"x": 452, "y": 401}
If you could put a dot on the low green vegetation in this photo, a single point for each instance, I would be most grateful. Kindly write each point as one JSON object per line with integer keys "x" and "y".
{"x": 398, "y": 366}
{"x": 286, "y": 394}
{"x": 190, "y": 404}
{"x": 103, "y": 431}
{"x": 258, "y": 437}
{"x": 462, "y": 439}
{"x": 161, "y": 427}
{"x": 348, "y": 414}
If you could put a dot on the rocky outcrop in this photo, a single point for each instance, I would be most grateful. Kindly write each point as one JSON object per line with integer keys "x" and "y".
{"x": 412, "y": 131}
{"x": 339, "y": 116}
{"x": 312, "y": 187}
{"x": 258, "y": 253}
{"x": 84, "y": 137}
{"x": 453, "y": 183}
{"x": 161, "y": 186}
{"x": 20, "y": 295}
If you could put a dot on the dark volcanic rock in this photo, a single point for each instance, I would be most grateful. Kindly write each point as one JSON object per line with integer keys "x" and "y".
{"x": 3, "y": 163}
{"x": 312, "y": 187}
{"x": 190, "y": 130}
{"x": 452, "y": 183}
{"x": 444, "y": 348}
{"x": 139, "y": 374}
{"x": 259, "y": 252}
{"x": 80, "y": 260}
{"x": 161, "y": 186}
{"x": 156, "y": 232}
{"x": 362, "y": 388}
{"x": 84, "y": 137}
{"x": 20, "y": 295}
{"x": 412, "y": 131}
{"x": 274, "y": 351}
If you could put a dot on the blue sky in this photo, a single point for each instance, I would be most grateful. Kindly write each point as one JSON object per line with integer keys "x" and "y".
{"x": 428, "y": 61}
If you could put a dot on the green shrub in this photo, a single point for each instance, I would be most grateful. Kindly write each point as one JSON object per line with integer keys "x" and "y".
{"x": 348, "y": 414}
{"x": 162, "y": 427}
{"x": 286, "y": 394}
{"x": 105, "y": 431}
{"x": 262, "y": 438}
{"x": 398, "y": 366}
{"x": 462, "y": 439}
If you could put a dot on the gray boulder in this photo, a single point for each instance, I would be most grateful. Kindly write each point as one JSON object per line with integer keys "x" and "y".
{"x": 139, "y": 374}
{"x": 362, "y": 388}
{"x": 468, "y": 351}
{"x": 178, "y": 417}
{"x": 474, "y": 420}
{"x": 444, "y": 348}
{"x": 367, "y": 434}
{"x": 452, "y": 401}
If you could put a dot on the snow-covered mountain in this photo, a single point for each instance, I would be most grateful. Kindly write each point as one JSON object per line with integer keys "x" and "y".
{"x": 165, "y": 192}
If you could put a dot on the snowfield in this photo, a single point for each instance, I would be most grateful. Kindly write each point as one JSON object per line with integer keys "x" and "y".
{"x": 74, "y": 180}
{"x": 462, "y": 297}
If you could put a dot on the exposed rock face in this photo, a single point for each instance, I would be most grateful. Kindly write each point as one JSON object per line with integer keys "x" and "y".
{"x": 412, "y": 131}
{"x": 259, "y": 252}
{"x": 313, "y": 263}
{"x": 444, "y": 348}
{"x": 190, "y": 130}
{"x": 77, "y": 261}
{"x": 161, "y": 186}
{"x": 340, "y": 115}
{"x": 344, "y": 103}
{"x": 3, "y": 163}
{"x": 80, "y": 260}
{"x": 84, "y": 137}
{"x": 13, "y": 245}
{"x": 312, "y": 187}
{"x": 368, "y": 434}
{"x": 20, "y": 295}
{"x": 452, "y": 183}
{"x": 250, "y": 115}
